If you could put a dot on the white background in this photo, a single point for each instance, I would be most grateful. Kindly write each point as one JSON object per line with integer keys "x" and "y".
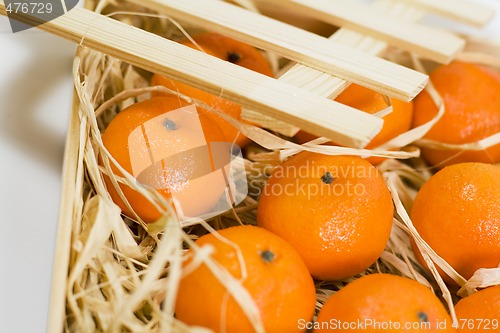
{"x": 35, "y": 102}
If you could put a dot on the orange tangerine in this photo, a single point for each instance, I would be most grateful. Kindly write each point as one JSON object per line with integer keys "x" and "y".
{"x": 472, "y": 112}
{"x": 156, "y": 141}
{"x": 364, "y": 99}
{"x": 457, "y": 213}
{"x": 383, "y": 303}
{"x": 278, "y": 281}
{"x": 480, "y": 312}
{"x": 335, "y": 210}
{"x": 227, "y": 49}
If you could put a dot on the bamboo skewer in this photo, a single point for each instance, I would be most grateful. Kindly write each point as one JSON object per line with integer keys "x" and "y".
{"x": 250, "y": 89}
{"x": 434, "y": 44}
{"x": 295, "y": 44}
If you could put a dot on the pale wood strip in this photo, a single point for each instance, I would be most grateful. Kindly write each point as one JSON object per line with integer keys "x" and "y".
{"x": 333, "y": 85}
{"x": 294, "y": 43}
{"x": 325, "y": 84}
{"x": 250, "y": 89}
{"x": 484, "y": 45}
{"x": 430, "y": 43}
{"x": 466, "y": 11}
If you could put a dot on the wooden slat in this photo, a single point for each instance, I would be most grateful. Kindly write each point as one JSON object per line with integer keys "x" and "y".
{"x": 294, "y": 43}
{"x": 301, "y": 76}
{"x": 327, "y": 85}
{"x": 431, "y": 43}
{"x": 153, "y": 53}
{"x": 470, "y": 12}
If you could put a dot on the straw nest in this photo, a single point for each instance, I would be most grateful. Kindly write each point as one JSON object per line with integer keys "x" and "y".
{"x": 123, "y": 274}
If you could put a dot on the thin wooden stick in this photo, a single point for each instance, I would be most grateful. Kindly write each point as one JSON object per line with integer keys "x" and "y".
{"x": 327, "y": 85}
{"x": 431, "y": 43}
{"x": 294, "y": 43}
{"x": 250, "y": 89}
{"x": 464, "y": 11}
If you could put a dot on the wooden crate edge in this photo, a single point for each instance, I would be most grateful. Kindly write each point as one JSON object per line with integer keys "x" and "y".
{"x": 57, "y": 303}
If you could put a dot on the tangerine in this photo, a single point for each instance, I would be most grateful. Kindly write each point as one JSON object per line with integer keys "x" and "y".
{"x": 383, "y": 303}
{"x": 370, "y": 101}
{"x": 456, "y": 212}
{"x": 472, "y": 112}
{"x": 278, "y": 282}
{"x": 480, "y": 312}
{"x": 335, "y": 210}
{"x": 230, "y": 50}
{"x": 160, "y": 142}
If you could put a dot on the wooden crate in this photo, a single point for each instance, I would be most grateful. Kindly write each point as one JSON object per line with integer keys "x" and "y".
{"x": 80, "y": 198}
